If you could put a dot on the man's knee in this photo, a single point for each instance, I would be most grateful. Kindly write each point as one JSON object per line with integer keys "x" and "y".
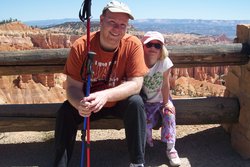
{"x": 135, "y": 106}
{"x": 65, "y": 109}
{"x": 135, "y": 100}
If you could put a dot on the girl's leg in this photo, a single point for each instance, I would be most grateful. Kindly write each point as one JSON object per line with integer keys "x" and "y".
{"x": 149, "y": 126}
{"x": 168, "y": 135}
{"x": 152, "y": 119}
{"x": 168, "y": 131}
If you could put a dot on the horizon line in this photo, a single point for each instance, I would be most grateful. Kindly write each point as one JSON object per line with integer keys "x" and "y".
{"x": 134, "y": 20}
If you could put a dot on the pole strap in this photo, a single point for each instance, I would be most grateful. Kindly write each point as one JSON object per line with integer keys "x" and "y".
{"x": 85, "y": 10}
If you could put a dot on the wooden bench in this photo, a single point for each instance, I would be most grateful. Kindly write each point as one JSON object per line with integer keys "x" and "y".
{"x": 210, "y": 110}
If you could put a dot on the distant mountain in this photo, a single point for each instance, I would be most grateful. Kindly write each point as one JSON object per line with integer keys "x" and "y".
{"x": 73, "y": 27}
{"x": 187, "y": 26}
{"x": 49, "y": 23}
{"x": 191, "y": 26}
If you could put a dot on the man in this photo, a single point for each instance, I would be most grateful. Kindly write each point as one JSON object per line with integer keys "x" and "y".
{"x": 120, "y": 84}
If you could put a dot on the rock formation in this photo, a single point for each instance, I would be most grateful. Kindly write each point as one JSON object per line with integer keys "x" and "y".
{"x": 198, "y": 81}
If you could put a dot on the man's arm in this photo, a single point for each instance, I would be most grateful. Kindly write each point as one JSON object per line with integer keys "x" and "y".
{"x": 124, "y": 90}
{"x": 74, "y": 91}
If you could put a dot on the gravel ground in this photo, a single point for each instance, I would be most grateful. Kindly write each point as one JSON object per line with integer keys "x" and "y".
{"x": 198, "y": 146}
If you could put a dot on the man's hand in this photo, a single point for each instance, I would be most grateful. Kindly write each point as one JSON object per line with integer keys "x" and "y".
{"x": 93, "y": 103}
{"x": 83, "y": 108}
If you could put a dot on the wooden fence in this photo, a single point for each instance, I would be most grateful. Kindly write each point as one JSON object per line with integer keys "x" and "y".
{"x": 207, "y": 110}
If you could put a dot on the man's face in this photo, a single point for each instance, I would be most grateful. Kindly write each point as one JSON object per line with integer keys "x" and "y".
{"x": 113, "y": 28}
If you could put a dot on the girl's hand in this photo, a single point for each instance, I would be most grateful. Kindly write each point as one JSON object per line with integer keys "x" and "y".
{"x": 169, "y": 106}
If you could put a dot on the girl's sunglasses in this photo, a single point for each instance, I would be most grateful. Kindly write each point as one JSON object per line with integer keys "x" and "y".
{"x": 156, "y": 45}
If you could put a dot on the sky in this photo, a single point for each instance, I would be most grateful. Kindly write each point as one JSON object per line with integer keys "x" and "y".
{"x": 30, "y": 10}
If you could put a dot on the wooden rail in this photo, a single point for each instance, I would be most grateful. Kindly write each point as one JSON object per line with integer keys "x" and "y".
{"x": 211, "y": 110}
{"x": 53, "y": 60}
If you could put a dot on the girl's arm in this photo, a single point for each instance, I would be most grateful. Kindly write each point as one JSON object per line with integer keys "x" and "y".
{"x": 166, "y": 90}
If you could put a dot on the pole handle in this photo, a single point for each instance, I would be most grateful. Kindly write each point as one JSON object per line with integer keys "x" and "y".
{"x": 90, "y": 62}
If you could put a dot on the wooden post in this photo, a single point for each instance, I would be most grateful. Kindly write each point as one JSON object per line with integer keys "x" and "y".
{"x": 237, "y": 83}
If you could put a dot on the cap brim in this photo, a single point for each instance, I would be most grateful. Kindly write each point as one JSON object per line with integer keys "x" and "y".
{"x": 151, "y": 39}
{"x": 116, "y": 10}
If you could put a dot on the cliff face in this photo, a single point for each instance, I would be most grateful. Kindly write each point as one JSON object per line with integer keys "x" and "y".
{"x": 209, "y": 74}
{"x": 17, "y": 36}
{"x": 41, "y": 88}
{"x": 34, "y": 88}
{"x": 29, "y": 90}
{"x": 50, "y": 40}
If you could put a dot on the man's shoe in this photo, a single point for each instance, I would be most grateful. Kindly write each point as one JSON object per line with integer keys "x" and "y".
{"x": 63, "y": 161}
{"x": 173, "y": 157}
{"x": 136, "y": 165}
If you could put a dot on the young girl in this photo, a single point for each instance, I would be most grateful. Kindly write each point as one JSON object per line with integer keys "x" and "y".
{"x": 156, "y": 87}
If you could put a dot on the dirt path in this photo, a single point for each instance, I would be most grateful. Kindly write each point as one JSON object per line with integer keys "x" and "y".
{"x": 198, "y": 146}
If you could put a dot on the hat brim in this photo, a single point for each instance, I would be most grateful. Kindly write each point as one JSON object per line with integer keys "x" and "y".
{"x": 151, "y": 39}
{"x": 116, "y": 10}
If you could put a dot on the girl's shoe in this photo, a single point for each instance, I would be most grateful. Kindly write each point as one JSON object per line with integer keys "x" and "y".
{"x": 173, "y": 157}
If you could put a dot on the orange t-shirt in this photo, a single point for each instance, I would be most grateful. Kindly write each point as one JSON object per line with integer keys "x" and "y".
{"x": 129, "y": 63}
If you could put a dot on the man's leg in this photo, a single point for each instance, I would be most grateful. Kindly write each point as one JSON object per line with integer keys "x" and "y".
{"x": 134, "y": 118}
{"x": 67, "y": 121}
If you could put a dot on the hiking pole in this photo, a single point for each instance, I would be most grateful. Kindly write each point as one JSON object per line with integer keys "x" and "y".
{"x": 84, "y": 14}
{"x": 86, "y": 122}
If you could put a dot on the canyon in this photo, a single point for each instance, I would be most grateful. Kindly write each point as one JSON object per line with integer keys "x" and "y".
{"x": 49, "y": 88}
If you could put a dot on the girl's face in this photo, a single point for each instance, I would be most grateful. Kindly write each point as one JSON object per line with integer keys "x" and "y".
{"x": 152, "y": 52}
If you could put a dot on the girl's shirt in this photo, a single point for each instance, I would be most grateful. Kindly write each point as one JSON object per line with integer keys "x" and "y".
{"x": 153, "y": 80}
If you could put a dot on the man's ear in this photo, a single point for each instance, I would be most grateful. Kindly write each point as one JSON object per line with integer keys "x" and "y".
{"x": 101, "y": 19}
